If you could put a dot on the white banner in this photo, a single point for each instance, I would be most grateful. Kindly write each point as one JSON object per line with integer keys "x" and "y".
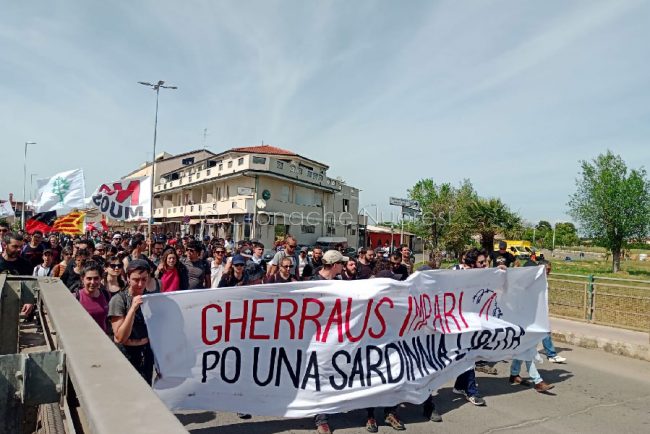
{"x": 63, "y": 192}
{"x": 5, "y": 209}
{"x": 128, "y": 199}
{"x": 331, "y": 346}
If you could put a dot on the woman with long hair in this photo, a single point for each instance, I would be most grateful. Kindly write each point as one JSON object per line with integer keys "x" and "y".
{"x": 114, "y": 276}
{"x": 59, "y": 268}
{"x": 171, "y": 273}
{"x": 92, "y": 296}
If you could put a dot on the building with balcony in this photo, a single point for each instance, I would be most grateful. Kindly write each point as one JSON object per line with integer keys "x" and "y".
{"x": 257, "y": 192}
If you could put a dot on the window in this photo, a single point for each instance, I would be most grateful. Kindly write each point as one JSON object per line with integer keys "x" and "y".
{"x": 187, "y": 161}
{"x": 212, "y": 163}
{"x": 346, "y": 205}
{"x": 259, "y": 160}
{"x": 220, "y": 166}
{"x": 240, "y": 162}
{"x": 229, "y": 164}
{"x": 233, "y": 205}
{"x": 308, "y": 229}
{"x": 207, "y": 172}
{"x": 284, "y": 194}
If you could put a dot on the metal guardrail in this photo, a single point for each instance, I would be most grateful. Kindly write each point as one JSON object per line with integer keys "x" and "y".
{"x": 96, "y": 387}
{"x": 623, "y": 303}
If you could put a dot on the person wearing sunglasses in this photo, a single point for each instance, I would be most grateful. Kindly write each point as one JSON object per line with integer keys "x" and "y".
{"x": 284, "y": 273}
{"x": 290, "y": 245}
{"x": 198, "y": 269}
{"x": 235, "y": 276}
{"x": 113, "y": 278}
{"x": 217, "y": 266}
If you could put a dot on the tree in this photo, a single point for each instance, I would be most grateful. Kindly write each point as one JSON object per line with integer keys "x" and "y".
{"x": 611, "y": 204}
{"x": 445, "y": 221}
{"x": 566, "y": 234}
{"x": 491, "y": 216}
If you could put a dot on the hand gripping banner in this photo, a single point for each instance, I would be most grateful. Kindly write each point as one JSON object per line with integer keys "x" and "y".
{"x": 330, "y": 346}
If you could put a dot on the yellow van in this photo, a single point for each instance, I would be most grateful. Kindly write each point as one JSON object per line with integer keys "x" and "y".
{"x": 519, "y": 248}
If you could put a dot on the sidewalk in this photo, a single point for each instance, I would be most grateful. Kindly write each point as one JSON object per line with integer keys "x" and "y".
{"x": 613, "y": 340}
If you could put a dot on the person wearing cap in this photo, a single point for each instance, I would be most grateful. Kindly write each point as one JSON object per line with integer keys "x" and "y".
{"x": 502, "y": 258}
{"x": 117, "y": 240}
{"x": 235, "y": 275}
{"x": 127, "y": 321}
{"x": 45, "y": 269}
{"x": 333, "y": 262}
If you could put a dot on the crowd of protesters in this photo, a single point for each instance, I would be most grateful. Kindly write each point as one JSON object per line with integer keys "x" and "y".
{"x": 109, "y": 273}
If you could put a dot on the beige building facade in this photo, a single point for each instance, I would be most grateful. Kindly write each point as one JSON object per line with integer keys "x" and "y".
{"x": 257, "y": 192}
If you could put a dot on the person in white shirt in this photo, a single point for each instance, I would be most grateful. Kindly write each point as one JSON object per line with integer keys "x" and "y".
{"x": 44, "y": 269}
{"x": 217, "y": 266}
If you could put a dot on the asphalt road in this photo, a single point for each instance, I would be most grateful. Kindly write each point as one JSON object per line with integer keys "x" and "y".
{"x": 595, "y": 392}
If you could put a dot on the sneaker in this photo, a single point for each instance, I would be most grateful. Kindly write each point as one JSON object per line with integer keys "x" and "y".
{"x": 516, "y": 380}
{"x": 371, "y": 425}
{"x": 458, "y": 391}
{"x": 430, "y": 413}
{"x": 244, "y": 415}
{"x": 476, "y": 400}
{"x": 543, "y": 387}
{"x": 486, "y": 369}
{"x": 557, "y": 359}
{"x": 323, "y": 428}
{"x": 392, "y": 420}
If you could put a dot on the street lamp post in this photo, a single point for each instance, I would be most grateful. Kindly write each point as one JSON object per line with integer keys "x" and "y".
{"x": 31, "y": 185}
{"x": 22, "y": 216}
{"x": 155, "y": 87}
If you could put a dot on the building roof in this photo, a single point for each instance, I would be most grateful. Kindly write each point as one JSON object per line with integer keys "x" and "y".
{"x": 264, "y": 149}
{"x": 273, "y": 150}
{"x": 165, "y": 158}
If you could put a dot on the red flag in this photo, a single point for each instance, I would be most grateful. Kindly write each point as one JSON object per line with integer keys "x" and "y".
{"x": 43, "y": 221}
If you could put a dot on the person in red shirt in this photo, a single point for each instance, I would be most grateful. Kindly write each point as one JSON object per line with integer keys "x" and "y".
{"x": 92, "y": 296}
{"x": 171, "y": 272}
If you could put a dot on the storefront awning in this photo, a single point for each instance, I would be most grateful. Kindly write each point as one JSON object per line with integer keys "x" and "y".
{"x": 215, "y": 221}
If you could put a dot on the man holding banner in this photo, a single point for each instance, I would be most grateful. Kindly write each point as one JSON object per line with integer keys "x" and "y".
{"x": 322, "y": 347}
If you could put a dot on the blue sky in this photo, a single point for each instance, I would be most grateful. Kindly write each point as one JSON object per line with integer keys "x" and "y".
{"x": 510, "y": 94}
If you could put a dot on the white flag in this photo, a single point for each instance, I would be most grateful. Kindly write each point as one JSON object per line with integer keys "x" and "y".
{"x": 5, "y": 209}
{"x": 62, "y": 192}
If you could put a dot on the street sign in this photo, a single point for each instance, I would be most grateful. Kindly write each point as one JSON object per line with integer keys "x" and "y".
{"x": 408, "y": 203}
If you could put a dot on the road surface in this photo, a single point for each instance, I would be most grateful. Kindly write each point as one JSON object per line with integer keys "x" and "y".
{"x": 595, "y": 392}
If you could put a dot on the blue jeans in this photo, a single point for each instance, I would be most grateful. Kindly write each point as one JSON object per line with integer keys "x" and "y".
{"x": 547, "y": 342}
{"x": 515, "y": 369}
{"x": 467, "y": 382}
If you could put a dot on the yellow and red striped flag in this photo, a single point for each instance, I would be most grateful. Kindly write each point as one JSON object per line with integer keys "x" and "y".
{"x": 70, "y": 224}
